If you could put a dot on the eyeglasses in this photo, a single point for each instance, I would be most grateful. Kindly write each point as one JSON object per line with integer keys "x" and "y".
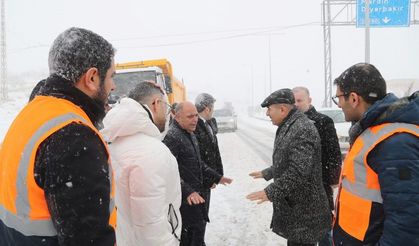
{"x": 335, "y": 99}
{"x": 169, "y": 107}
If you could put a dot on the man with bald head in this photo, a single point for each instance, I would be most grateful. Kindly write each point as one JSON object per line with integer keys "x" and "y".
{"x": 183, "y": 144}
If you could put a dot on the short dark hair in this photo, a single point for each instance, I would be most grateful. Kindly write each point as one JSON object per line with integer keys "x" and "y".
{"x": 204, "y": 100}
{"x": 76, "y": 50}
{"x": 363, "y": 79}
{"x": 143, "y": 91}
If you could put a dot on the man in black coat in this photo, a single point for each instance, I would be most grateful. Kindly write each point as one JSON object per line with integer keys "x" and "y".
{"x": 300, "y": 210}
{"x": 183, "y": 144}
{"x": 331, "y": 155}
{"x": 71, "y": 165}
{"x": 208, "y": 144}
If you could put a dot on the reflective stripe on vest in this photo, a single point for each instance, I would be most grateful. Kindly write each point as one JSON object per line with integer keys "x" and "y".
{"x": 20, "y": 219}
{"x": 359, "y": 184}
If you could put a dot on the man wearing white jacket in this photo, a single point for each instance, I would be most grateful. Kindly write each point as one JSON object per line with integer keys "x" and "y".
{"x": 148, "y": 193}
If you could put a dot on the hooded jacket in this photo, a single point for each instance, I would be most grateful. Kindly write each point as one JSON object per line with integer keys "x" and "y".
{"x": 396, "y": 162}
{"x": 148, "y": 193}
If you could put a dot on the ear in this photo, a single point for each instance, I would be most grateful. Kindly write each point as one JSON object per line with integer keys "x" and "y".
{"x": 282, "y": 108}
{"x": 89, "y": 82}
{"x": 92, "y": 79}
{"x": 154, "y": 105}
{"x": 309, "y": 100}
{"x": 354, "y": 99}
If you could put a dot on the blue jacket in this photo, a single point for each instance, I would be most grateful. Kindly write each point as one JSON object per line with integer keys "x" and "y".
{"x": 396, "y": 161}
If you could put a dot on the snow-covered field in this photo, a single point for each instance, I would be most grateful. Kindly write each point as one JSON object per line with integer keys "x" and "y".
{"x": 10, "y": 108}
{"x": 234, "y": 219}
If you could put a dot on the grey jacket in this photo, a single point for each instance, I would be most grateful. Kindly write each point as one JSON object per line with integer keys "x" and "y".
{"x": 300, "y": 207}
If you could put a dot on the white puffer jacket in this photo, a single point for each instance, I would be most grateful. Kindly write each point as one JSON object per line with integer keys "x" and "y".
{"x": 148, "y": 194}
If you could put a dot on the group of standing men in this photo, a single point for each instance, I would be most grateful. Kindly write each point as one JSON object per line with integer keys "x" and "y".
{"x": 57, "y": 182}
{"x": 378, "y": 192}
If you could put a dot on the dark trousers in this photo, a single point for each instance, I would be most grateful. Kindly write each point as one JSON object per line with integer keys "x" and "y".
{"x": 193, "y": 235}
{"x": 300, "y": 244}
{"x": 207, "y": 197}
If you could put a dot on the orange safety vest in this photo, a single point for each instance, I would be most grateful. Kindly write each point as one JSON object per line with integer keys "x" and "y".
{"x": 359, "y": 185}
{"x": 22, "y": 202}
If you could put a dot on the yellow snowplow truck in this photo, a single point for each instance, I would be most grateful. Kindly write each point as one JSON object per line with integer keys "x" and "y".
{"x": 160, "y": 71}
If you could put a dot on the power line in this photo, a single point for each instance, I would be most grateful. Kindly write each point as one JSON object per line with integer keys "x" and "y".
{"x": 263, "y": 31}
{"x": 258, "y": 31}
{"x": 211, "y": 32}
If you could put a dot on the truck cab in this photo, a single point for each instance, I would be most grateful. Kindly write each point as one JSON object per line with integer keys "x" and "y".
{"x": 159, "y": 71}
{"x": 126, "y": 79}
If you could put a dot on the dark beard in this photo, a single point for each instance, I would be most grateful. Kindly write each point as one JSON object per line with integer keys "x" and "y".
{"x": 100, "y": 97}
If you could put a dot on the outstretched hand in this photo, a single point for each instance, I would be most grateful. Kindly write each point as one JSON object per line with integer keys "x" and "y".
{"x": 225, "y": 180}
{"x": 194, "y": 199}
{"x": 259, "y": 196}
{"x": 256, "y": 175}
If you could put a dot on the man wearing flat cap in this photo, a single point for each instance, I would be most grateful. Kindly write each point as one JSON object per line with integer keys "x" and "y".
{"x": 300, "y": 207}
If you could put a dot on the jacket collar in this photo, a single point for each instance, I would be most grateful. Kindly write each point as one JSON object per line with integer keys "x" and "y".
{"x": 58, "y": 87}
{"x": 289, "y": 119}
{"x": 311, "y": 110}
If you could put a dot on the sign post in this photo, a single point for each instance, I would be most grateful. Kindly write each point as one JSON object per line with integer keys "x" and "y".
{"x": 384, "y": 13}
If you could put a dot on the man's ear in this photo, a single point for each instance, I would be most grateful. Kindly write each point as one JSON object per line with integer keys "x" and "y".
{"x": 154, "y": 104}
{"x": 354, "y": 99}
{"x": 92, "y": 79}
{"x": 89, "y": 82}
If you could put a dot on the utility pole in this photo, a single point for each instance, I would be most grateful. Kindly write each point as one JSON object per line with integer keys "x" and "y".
{"x": 3, "y": 57}
{"x": 367, "y": 31}
{"x": 270, "y": 64}
{"x": 326, "y": 22}
{"x": 253, "y": 87}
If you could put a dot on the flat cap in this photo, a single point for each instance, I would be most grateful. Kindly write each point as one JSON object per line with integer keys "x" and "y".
{"x": 284, "y": 96}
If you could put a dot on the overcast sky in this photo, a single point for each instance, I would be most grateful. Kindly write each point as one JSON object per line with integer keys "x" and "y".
{"x": 213, "y": 45}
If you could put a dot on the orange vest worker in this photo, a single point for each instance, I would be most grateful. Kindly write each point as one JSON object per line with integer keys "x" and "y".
{"x": 22, "y": 201}
{"x": 359, "y": 183}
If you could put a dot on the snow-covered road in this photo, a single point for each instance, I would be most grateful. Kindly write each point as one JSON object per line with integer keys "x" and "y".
{"x": 234, "y": 219}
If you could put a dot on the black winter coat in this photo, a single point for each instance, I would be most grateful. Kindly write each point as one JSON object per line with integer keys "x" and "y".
{"x": 331, "y": 155}
{"x": 208, "y": 146}
{"x": 75, "y": 153}
{"x": 184, "y": 146}
{"x": 301, "y": 212}
{"x": 210, "y": 153}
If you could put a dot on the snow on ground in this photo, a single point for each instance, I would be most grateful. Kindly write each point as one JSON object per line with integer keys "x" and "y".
{"x": 234, "y": 219}
{"x": 10, "y": 108}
